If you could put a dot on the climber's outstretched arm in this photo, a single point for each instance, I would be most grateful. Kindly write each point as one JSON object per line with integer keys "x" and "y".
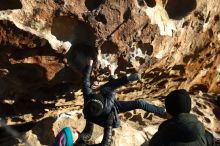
{"x": 86, "y": 79}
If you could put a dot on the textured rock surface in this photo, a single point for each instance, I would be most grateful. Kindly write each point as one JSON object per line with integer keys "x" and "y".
{"x": 172, "y": 45}
{"x": 137, "y": 126}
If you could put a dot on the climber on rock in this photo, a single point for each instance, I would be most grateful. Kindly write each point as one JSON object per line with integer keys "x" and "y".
{"x": 103, "y": 108}
{"x": 181, "y": 128}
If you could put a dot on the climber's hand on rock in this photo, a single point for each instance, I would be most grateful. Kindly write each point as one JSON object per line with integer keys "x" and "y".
{"x": 111, "y": 69}
{"x": 90, "y": 61}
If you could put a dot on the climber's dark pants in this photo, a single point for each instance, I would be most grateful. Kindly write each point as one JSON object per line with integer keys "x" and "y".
{"x": 125, "y": 106}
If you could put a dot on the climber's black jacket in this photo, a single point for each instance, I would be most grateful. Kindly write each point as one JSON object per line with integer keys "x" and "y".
{"x": 182, "y": 130}
{"x": 109, "y": 103}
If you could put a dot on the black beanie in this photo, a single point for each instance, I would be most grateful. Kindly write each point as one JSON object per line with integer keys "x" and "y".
{"x": 95, "y": 105}
{"x": 178, "y": 101}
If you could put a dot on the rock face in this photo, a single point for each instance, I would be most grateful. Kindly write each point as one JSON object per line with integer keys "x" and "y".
{"x": 137, "y": 127}
{"x": 135, "y": 35}
{"x": 37, "y": 136}
{"x": 44, "y": 46}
